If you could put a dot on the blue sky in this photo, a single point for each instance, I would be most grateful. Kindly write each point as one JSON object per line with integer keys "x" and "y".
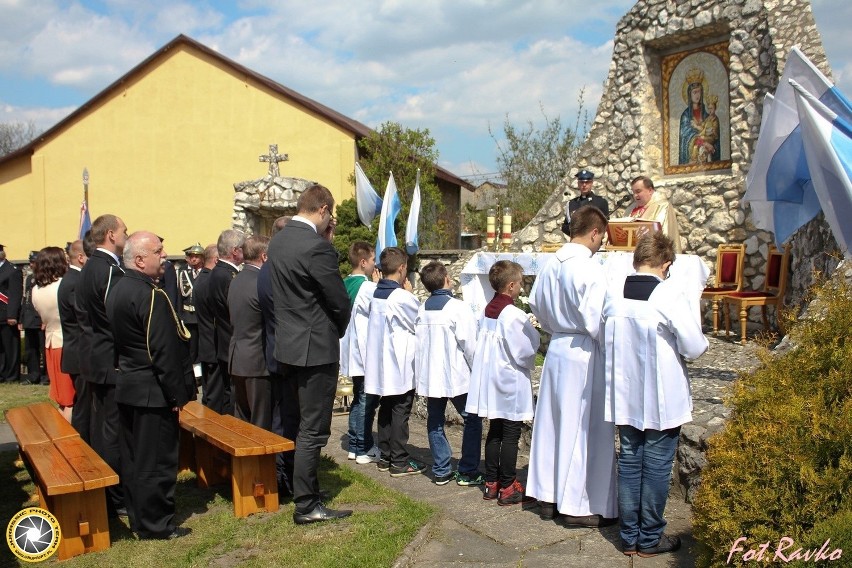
{"x": 454, "y": 67}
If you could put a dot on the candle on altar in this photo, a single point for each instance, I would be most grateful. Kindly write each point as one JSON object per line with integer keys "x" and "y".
{"x": 491, "y": 226}
{"x": 507, "y": 226}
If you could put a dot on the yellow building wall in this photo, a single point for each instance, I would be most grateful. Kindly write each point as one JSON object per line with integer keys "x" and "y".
{"x": 163, "y": 153}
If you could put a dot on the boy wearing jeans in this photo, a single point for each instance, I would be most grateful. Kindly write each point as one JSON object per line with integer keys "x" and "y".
{"x": 446, "y": 339}
{"x": 500, "y": 387}
{"x": 360, "y": 285}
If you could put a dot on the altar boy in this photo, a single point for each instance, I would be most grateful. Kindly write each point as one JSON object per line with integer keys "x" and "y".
{"x": 389, "y": 361}
{"x": 446, "y": 339}
{"x": 500, "y": 387}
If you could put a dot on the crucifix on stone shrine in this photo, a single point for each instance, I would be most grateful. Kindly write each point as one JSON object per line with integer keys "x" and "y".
{"x": 273, "y": 158}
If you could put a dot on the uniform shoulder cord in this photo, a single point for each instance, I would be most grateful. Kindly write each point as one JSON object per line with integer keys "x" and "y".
{"x": 182, "y": 330}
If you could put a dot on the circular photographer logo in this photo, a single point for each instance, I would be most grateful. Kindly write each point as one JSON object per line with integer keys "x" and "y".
{"x": 33, "y": 534}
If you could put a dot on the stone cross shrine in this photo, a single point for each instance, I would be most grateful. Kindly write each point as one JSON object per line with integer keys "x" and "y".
{"x": 682, "y": 104}
{"x": 273, "y": 158}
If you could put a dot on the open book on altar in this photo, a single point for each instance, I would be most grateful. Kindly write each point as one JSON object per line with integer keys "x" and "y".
{"x": 623, "y": 233}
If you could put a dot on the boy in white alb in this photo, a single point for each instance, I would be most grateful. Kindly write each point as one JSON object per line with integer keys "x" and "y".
{"x": 500, "y": 387}
{"x": 360, "y": 286}
{"x": 572, "y": 455}
{"x": 446, "y": 339}
{"x": 389, "y": 361}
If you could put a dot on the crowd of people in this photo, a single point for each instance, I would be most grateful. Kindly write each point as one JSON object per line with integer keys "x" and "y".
{"x": 266, "y": 325}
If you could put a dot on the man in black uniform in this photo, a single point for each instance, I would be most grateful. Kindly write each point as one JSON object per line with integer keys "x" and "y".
{"x": 154, "y": 381}
{"x": 230, "y": 247}
{"x": 186, "y": 278}
{"x": 585, "y": 181}
{"x": 206, "y": 340}
{"x": 30, "y": 324}
{"x": 11, "y": 291}
{"x": 97, "y": 352}
{"x": 66, "y": 298}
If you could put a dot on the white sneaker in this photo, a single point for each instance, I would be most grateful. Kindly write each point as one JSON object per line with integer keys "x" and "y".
{"x": 370, "y": 457}
{"x": 351, "y": 455}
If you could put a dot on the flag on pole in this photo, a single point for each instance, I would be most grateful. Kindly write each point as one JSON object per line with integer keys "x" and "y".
{"x": 390, "y": 209}
{"x": 85, "y": 220}
{"x": 411, "y": 234}
{"x": 779, "y": 186}
{"x": 368, "y": 202}
{"x": 827, "y": 139}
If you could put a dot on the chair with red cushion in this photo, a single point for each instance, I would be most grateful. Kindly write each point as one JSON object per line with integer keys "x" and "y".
{"x": 729, "y": 277}
{"x": 774, "y": 286}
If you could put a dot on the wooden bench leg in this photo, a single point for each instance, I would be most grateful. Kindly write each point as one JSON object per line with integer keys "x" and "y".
{"x": 255, "y": 484}
{"x": 83, "y": 520}
{"x": 186, "y": 455}
{"x": 212, "y": 464}
{"x": 743, "y": 318}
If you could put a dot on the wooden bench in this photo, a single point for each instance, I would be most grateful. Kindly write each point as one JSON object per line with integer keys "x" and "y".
{"x": 223, "y": 447}
{"x": 71, "y": 478}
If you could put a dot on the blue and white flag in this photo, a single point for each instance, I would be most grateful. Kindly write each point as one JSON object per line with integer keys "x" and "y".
{"x": 779, "y": 186}
{"x": 827, "y": 139}
{"x": 390, "y": 210}
{"x": 85, "y": 219}
{"x": 367, "y": 201}
{"x": 411, "y": 233}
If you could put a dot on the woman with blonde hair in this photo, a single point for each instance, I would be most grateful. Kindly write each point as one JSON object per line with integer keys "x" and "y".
{"x": 50, "y": 265}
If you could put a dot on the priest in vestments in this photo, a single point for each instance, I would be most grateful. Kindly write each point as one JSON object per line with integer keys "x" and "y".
{"x": 572, "y": 456}
{"x": 650, "y": 205}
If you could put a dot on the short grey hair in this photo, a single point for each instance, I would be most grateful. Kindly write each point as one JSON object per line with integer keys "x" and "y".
{"x": 229, "y": 240}
{"x": 135, "y": 246}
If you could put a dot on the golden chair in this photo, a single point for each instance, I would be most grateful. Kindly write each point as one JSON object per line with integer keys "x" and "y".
{"x": 774, "y": 286}
{"x": 729, "y": 277}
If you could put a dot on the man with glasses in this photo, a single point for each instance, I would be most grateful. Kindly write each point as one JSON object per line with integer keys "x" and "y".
{"x": 585, "y": 182}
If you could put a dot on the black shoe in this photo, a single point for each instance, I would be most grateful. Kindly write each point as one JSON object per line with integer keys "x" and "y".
{"x": 628, "y": 549}
{"x": 444, "y": 479}
{"x": 595, "y": 521}
{"x": 319, "y": 514}
{"x": 666, "y": 544}
{"x": 383, "y": 465}
{"x": 410, "y": 468}
{"x": 546, "y": 511}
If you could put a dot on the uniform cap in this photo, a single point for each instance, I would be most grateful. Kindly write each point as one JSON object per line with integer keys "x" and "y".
{"x": 585, "y": 175}
{"x": 194, "y": 249}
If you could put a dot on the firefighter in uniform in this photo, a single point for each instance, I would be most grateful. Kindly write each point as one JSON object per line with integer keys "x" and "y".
{"x": 186, "y": 286}
{"x": 585, "y": 181}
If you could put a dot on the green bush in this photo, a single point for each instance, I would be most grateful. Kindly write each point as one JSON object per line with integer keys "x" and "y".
{"x": 782, "y": 467}
{"x": 349, "y": 229}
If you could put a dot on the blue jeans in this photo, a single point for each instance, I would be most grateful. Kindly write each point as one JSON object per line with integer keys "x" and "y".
{"x": 471, "y": 437}
{"x": 644, "y": 474}
{"x": 361, "y": 415}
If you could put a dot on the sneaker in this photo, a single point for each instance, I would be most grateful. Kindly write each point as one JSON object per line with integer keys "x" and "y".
{"x": 492, "y": 490}
{"x": 470, "y": 479}
{"x": 666, "y": 544}
{"x": 351, "y": 456}
{"x": 628, "y": 549}
{"x": 383, "y": 465}
{"x": 513, "y": 495}
{"x": 444, "y": 479}
{"x": 366, "y": 458}
{"x": 410, "y": 468}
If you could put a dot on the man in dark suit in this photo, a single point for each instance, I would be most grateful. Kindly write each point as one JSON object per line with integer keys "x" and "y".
{"x": 311, "y": 313}
{"x": 154, "y": 381}
{"x": 285, "y": 409}
{"x": 66, "y": 298}
{"x": 230, "y": 247}
{"x": 97, "y": 352}
{"x": 11, "y": 292}
{"x": 206, "y": 339}
{"x": 251, "y": 382}
{"x": 585, "y": 181}
{"x": 30, "y": 323}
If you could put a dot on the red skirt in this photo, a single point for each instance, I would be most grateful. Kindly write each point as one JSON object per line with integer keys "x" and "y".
{"x": 61, "y": 384}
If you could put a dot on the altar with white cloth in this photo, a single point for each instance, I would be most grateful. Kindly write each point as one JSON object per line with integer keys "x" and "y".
{"x": 689, "y": 269}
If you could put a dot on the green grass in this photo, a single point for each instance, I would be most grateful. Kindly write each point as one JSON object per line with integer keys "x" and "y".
{"x": 383, "y": 524}
{"x": 13, "y": 395}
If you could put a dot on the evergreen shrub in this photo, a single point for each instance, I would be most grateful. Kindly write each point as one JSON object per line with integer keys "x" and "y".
{"x": 782, "y": 467}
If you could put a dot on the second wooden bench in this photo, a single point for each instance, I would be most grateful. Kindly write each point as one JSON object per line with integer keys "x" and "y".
{"x": 227, "y": 448}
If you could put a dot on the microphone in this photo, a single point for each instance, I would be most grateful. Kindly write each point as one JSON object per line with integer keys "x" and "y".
{"x": 623, "y": 201}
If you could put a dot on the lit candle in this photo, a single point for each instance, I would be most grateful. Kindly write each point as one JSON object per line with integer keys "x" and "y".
{"x": 490, "y": 226}
{"x": 507, "y": 227}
